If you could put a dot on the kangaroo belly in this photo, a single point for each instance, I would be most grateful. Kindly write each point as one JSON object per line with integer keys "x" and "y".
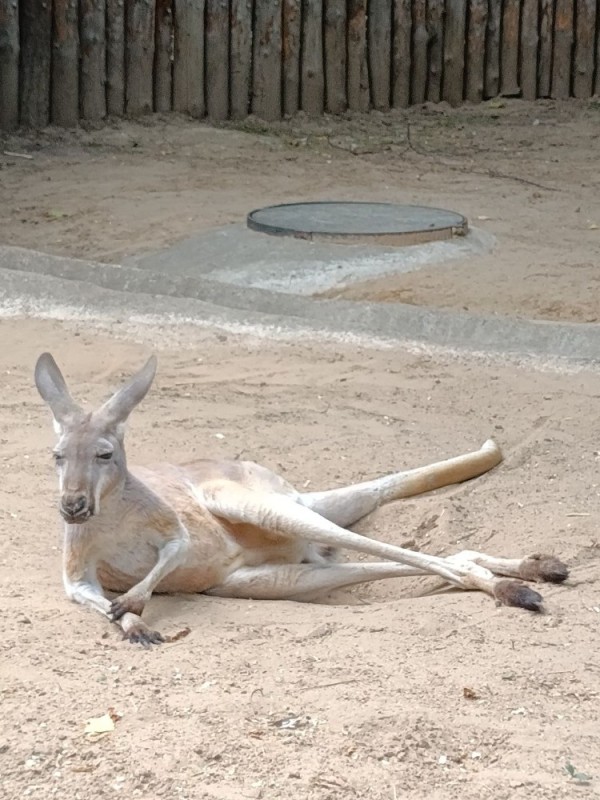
{"x": 120, "y": 567}
{"x": 203, "y": 567}
{"x": 185, "y": 579}
{"x": 114, "y": 579}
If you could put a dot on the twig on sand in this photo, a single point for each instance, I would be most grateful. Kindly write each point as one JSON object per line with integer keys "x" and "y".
{"x": 17, "y": 155}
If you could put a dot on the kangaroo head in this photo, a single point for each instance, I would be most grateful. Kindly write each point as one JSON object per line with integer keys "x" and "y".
{"x": 89, "y": 454}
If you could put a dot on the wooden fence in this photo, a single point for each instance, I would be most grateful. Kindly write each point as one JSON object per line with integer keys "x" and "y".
{"x": 62, "y": 61}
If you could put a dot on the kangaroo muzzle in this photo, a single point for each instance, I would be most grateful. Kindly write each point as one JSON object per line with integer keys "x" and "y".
{"x": 76, "y": 508}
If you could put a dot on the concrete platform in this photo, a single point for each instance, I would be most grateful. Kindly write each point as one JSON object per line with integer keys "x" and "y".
{"x": 240, "y": 257}
{"x": 51, "y": 286}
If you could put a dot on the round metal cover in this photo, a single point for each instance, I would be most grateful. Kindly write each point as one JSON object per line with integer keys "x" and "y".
{"x": 352, "y": 222}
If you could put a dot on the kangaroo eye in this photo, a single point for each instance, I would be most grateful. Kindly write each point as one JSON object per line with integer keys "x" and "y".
{"x": 105, "y": 456}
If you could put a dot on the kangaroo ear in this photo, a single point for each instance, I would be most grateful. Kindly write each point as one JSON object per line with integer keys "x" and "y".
{"x": 118, "y": 407}
{"x": 53, "y": 389}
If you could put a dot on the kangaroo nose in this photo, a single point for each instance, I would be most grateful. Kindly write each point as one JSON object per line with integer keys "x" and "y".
{"x": 74, "y": 505}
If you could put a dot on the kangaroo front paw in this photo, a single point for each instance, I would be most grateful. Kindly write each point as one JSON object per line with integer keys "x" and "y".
{"x": 141, "y": 634}
{"x": 126, "y": 604}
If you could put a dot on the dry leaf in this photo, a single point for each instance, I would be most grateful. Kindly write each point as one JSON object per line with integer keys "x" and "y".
{"x": 179, "y": 635}
{"x": 114, "y": 715}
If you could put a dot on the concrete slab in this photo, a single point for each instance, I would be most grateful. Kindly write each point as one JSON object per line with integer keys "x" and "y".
{"x": 241, "y": 257}
{"x": 44, "y": 285}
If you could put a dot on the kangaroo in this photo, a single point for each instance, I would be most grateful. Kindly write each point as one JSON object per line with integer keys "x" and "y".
{"x": 234, "y": 528}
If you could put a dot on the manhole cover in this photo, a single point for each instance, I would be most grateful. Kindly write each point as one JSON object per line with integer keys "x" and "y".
{"x": 375, "y": 223}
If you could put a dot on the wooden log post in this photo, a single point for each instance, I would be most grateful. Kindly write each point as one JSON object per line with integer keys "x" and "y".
{"x": 163, "y": 56}
{"x": 358, "y": 70}
{"x": 312, "y": 87}
{"x": 240, "y": 57}
{"x": 139, "y": 56}
{"x": 545, "y": 54}
{"x": 64, "y": 107}
{"x": 291, "y": 47}
{"x": 115, "y": 57}
{"x": 454, "y": 52}
{"x": 492, "y": 49}
{"x": 188, "y": 65}
{"x": 435, "y": 30}
{"x": 584, "y": 48}
{"x": 478, "y": 11}
{"x": 597, "y": 71}
{"x": 93, "y": 59}
{"x": 563, "y": 45}
{"x": 529, "y": 49}
{"x": 217, "y": 59}
{"x": 9, "y": 64}
{"x": 379, "y": 43}
{"x": 266, "y": 56}
{"x": 335, "y": 21}
{"x": 509, "y": 57}
{"x": 401, "y": 53}
{"x": 420, "y": 47}
{"x": 36, "y": 38}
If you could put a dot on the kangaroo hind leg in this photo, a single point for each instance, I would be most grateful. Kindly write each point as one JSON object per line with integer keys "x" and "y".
{"x": 348, "y": 504}
{"x": 303, "y": 582}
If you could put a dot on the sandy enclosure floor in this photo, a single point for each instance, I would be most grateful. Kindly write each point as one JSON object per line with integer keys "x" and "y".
{"x": 391, "y": 695}
{"x": 526, "y": 173}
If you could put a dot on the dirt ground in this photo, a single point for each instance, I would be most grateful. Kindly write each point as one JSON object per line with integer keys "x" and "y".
{"x": 375, "y": 679}
{"x": 526, "y": 173}
{"x": 379, "y": 692}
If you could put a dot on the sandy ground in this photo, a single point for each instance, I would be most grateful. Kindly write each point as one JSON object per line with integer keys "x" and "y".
{"x": 390, "y": 694}
{"x": 374, "y": 679}
{"x": 525, "y": 173}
